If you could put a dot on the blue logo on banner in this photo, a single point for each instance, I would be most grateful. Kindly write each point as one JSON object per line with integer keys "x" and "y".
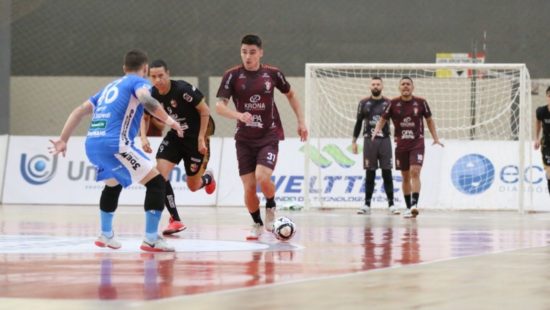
{"x": 38, "y": 169}
{"x": 473, "y": 174}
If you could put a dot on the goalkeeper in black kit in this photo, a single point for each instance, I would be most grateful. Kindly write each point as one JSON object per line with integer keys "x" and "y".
{"x": 377, "y": 151}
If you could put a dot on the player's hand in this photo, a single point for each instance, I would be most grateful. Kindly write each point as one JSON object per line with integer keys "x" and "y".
{"x": 354, "y": 148}
{"x": 177, "y": 127}
{"x": 245, "y": 118}
{"x": 436, "y": 141}
{"x": 59, "y": 146}
{"x": 537, "y": 145}
{"x": 202, "y": 146}
{"x": 146, "y": 146}
{"x": 302, "y": 132}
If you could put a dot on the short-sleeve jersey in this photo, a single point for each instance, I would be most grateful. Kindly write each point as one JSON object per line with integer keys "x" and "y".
{"x": 370, "y": 110}
{"x": 181, "y": 104}
{"x": 117, "y": 112}
{"x": 253, "y": 92}
{"x": 408, "y": 121}
{"x": 543, "y": 116}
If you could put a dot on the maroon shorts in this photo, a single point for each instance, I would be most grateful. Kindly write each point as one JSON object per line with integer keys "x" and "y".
{"x": 255, "y": 152}
{"x": 404, "y": 159}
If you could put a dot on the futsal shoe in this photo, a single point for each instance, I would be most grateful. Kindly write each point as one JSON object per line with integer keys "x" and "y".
{"x": 210, "y": 188}
{"x": 255, "y": 232}
{"x": 394, "y": 210}
{"x": 173, "y": 227}
{"x": 364, "y": 210}
{"x": 269, "y": 218}
{"x": 410, "y": 213}
{"x": 158, "y": 245}
{"x": 103, "y": 242}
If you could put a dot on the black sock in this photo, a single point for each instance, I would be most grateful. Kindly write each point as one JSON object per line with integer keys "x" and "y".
{"x": 170, "y": 202}
{"x": 388, "y": 185}
{"x": 206, "y": 179}
{"x": 270, "y": 202}
{"x": 408, "y": 200}
{"x": 256, "y": 217}
{"x": 548, "y": 185}
{"x": 370, "y": 176}
{"x": 414, "y": 200}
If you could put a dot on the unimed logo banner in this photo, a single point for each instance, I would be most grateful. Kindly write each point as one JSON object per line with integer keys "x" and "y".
{"x": 36, "y": 177}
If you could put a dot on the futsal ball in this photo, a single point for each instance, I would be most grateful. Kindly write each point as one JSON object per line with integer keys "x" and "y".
{"x": 284, "y": 228}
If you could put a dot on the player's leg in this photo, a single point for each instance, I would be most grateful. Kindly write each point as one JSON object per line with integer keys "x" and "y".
{"x": 547, "y": 170}
{"x": 169, "y": 154}
{"x": 175, "y": 225}
{"x": 370, "y": 164}
{"x": 416, "y": 159}
{"x": 246, "y": 158}
{"x": 402, "y": 164}
{"x": 545, "y": 150}
{"x": 266, "y": 162}
{"x": 385, "y": 158}
{"x": 108, "y": 204}
{"x": 195, "y": 167}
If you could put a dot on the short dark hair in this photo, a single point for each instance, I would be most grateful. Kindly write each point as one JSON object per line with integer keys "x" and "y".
{"x": 159, "y": 63}
{"x": 134, "y": 59}
{"x": 406, "y": 78}
{"x": 252, "y": 39}
{"x": 548, "y": 90}
{"x": 376, "y": 77}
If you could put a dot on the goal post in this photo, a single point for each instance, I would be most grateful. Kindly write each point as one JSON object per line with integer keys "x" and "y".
{"x": 483, "y": 115}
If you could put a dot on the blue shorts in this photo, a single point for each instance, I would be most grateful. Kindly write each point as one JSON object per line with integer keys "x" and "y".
{"x": 126, "y": 164}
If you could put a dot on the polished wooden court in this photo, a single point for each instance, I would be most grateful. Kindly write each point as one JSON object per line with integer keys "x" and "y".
{"x": 337, "y": 260}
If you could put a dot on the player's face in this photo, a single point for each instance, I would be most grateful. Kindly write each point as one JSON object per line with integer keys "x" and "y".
{"x": 250, "y": 55}
{"x": 376, "y": 87}
{"x": 406, "y": 88}
{"x": 160, "y": 78}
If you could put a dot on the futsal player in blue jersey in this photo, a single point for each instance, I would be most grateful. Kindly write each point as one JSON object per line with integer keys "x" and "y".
{"x": 116, "y": 114}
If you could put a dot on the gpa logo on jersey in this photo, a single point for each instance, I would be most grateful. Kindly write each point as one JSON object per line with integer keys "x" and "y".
{"x": 38, "y": 169}
{"x": 473, "y": 174}
{"x": 173, "y": 103}
{"x": 267, "y": 86}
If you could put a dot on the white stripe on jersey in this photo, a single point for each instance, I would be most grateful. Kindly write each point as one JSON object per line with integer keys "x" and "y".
{"x": 129, "y": 116}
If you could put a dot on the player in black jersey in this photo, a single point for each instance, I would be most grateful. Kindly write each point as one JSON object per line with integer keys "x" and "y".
{"x": 186, "y": 104}
{"x": 377, "y": 150}
{"x": 543, "y": 122}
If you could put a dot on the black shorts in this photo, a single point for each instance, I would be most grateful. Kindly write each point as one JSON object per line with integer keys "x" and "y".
{"x": 545, "y": 155}
{"x": 377, "y": 151}
{"x": 174, "y": 149}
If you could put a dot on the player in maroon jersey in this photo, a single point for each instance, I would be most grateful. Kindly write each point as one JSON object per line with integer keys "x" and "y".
{"x": 543, "y": 142}
{"x": 407, "y": 113}
{"x": 259, "y": 129}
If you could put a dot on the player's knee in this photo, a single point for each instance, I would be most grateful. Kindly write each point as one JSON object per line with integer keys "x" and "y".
{"x": 194, "y": 184}
{"x": 109, "y": 198}
{"x": 154, "y": 195}
{"x": 263, "y": 180}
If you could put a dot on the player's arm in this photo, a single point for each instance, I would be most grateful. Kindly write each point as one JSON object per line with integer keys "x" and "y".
{"x": 74, "y": 119}
{"x": 154, "y": 107}
{"x": 295, "y": 105}
{"x": 538, "y": 128}
{"x": 356, "y": 130}
{"x": 143, "y": 129}
{"x": 431, "y": 127}
{"x": 381, "y": 122}
{"x": 204, "y": 112}
{"x": 223, "y": 110}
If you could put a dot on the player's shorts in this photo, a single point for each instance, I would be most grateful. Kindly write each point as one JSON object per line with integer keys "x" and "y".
{"x": 127, "y": 165}
{"x": 256, "y": 152}
{"x": 545, "y": 155}
{"x": 174, "y": 149}
{"x": 377, "y": 151}
{"x": 404, "y": 159}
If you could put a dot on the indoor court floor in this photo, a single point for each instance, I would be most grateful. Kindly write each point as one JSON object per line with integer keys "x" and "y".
{"x": 337, "y": 260}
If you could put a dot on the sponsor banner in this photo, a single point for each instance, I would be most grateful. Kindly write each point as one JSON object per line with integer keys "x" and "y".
{"x": 336, "y": 175}
{"x": 3, "y": 157}
{"x": 36, "y": 177}
{"x": 486, "y": 175}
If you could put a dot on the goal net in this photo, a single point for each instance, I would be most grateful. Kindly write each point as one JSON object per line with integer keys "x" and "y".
{"x": 482, "y": 113}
